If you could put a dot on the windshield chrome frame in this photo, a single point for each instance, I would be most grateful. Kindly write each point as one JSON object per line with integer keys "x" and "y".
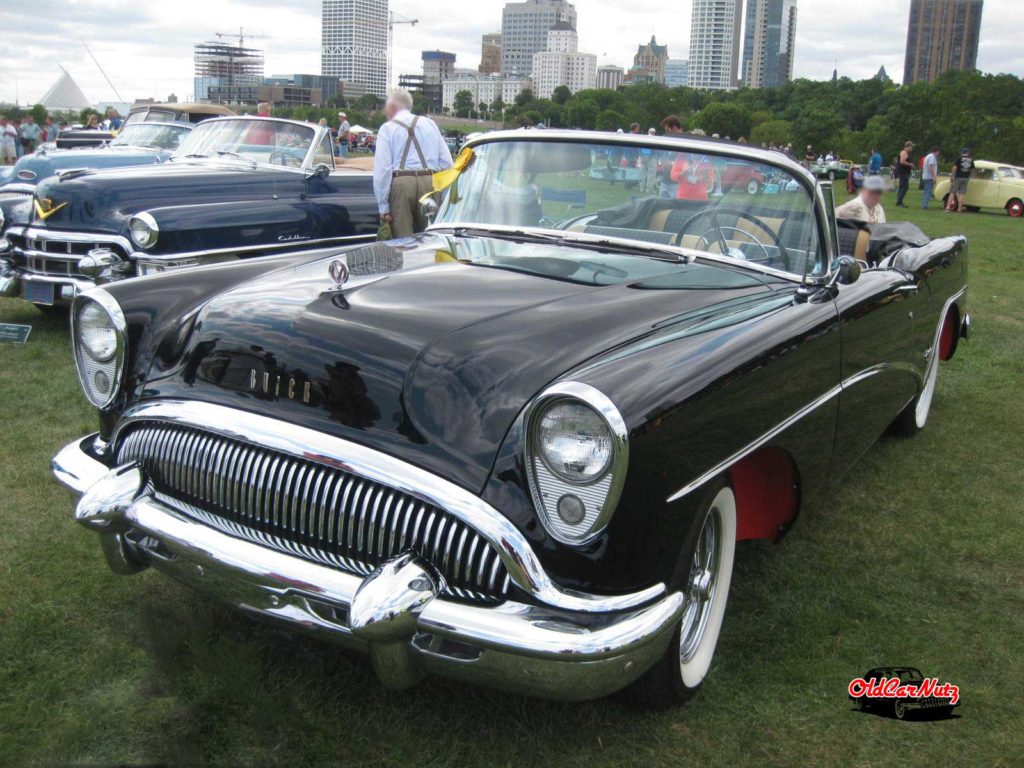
{"x": 682, "y": 143}
{"x": 318, "y": 133}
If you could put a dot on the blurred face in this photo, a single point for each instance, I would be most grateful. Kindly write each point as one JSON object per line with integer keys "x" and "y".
{"x": 872, "y": 197}
{"x": 390, "y": 109}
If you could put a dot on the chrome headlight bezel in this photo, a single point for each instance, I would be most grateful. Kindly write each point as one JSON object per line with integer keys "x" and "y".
{"x": 145, "y": 223}
{"x": 92, "y": 369}
{"x": 599, "y": 494}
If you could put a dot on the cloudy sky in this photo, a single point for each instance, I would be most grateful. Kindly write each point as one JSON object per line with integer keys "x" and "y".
{"x": 145, "y": 47}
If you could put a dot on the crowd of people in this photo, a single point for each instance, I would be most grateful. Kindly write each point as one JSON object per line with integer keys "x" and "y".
{"x": 24, "y": 135}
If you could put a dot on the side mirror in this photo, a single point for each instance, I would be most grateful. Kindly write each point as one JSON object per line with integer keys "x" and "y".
{"x": 428, "y": 207}
{"x": 847, "y": 271}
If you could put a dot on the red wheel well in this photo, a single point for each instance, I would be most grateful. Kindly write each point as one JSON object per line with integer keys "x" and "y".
{"x": 766, "y": 486}
{"x": 949, "y": 334}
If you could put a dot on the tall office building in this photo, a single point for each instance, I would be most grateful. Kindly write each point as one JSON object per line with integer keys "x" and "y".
{"x": 677, "y": 73}
{"x": 715, "y": 43}
{"x": 438, "y": 66}
{"x": 649, "y": 62}
{"x": 524, "y": 31}
{"x": 490, "y": 53}
{"x": 563, "y": 64}
{"x": 942, "y": 35}
{"x": 226, "y": 73}
{"x": 769, "y": 37}
{"x": 354, "y": 45}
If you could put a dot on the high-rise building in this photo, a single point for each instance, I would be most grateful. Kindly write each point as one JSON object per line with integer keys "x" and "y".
{"x": 715, "y": 43}
{"x": 438, "y": 66}
{"x": 484, "y": 89}
{"x": 649, "y": 62}
{"x": 610, "y": 77}
{"x": 768, "y": 40}
{"x": 490, "y": 53}
{"x": 229, "y": 70}
{"x": 524, "y": 31}
{"x": 677, "y": 73}
{"x": 354, "y": 45}
{"x": 942, "y": 35}
{"x": 563, "y": 64}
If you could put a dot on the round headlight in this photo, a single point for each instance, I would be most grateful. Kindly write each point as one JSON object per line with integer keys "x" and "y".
{"x": 143, "y": 230}
{"x": 574, "y": 441}
{"x": 96, "y": 332}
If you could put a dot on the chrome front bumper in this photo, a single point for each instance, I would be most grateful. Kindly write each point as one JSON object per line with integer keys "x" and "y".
{"x": 394, "y": 613}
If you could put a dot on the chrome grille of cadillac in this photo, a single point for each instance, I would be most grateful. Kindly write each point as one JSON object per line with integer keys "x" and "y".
{"x": 518, "y": 448}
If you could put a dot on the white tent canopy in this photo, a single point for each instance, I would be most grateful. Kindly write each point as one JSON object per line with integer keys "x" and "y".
{"x": 65, "y": 95}
{"x": 359, "y": 129}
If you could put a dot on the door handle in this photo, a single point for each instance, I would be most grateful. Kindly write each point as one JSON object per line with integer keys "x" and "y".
{"x": 909, "y": 289}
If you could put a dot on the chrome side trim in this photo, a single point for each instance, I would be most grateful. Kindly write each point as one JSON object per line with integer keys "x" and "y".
{"x": 62, "y": 236}
{"x": 524, "y": 569}
{"x": 777, "y": 430}
{"x": 294, "y": 244}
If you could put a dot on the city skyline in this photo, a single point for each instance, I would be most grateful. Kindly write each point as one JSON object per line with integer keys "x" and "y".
{"x": 152, "y": 56}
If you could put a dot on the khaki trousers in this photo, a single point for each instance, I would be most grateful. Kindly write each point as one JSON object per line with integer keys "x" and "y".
{"x": 406, "y": 192}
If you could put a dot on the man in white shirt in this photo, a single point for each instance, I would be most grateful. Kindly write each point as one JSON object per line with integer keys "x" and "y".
{"x": 410, "y": 149}
{"x": 8, "y": 142}
{"x": 343, "y": 129}
{"x": 929, "y": 172}
{"x": 867, "y": 206}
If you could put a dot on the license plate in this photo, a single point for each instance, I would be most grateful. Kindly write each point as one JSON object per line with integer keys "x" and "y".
{"x": 39, "y": 293}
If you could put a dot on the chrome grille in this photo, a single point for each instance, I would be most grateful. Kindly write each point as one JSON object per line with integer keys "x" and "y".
{"x": 307, "y": 509}
{"x": 8, "y": 195}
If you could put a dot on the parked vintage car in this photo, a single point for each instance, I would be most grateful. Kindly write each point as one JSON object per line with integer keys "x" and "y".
{"x": 900, "y": 707}
{"x": 741, "y": 176}
{"x": 137, "y": 144}
{"x": 992, "y": 185}
{"x": 838, "y": 169}
{"x": 237, "y": 187}
{"x": 83, "y": 138}
{"x": 518, "y": 449}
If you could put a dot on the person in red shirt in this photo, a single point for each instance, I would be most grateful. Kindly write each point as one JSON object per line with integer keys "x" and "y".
{"x": 694, "y": 175}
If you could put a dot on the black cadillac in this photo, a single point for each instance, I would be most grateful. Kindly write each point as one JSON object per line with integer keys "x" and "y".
{"x": 518, "y": 449}
{"x": 236, "y": 187}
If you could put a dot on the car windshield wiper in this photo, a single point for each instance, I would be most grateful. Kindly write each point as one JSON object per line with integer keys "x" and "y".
{"x": 225, "y": 152}
{"x": 192, "y": 156}
{"x": 581, "y": 239}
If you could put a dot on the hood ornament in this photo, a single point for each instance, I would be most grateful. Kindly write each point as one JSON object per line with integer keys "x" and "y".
{"x": 339, "y": 273}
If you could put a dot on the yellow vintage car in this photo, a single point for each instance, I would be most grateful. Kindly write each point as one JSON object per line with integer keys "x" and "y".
{"x": 992, "y": 185}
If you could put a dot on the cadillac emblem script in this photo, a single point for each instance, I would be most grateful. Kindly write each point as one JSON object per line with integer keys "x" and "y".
{"x": 339, "y": 273}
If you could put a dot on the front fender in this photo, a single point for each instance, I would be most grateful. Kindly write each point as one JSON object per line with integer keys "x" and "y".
{"x": 241, "y": 224}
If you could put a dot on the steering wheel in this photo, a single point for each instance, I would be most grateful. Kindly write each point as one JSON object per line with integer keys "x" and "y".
{"x": 719, "y": 229}
{"x": 284, "y": 158}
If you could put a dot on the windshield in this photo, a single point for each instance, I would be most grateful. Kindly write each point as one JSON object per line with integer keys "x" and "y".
{"x": 740, "y": 208}
{"x": 151, "y": 135}
{"x": 273, "y": 142}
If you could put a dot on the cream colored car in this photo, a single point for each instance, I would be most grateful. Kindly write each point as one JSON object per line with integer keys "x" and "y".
{"x": 992, "y": 185}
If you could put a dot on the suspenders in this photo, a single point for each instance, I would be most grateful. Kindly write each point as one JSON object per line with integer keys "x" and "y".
{"x": 412, "y": 141}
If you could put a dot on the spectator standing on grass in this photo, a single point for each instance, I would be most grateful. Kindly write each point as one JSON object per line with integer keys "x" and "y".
{"x": 50, "y": 130}
{"x": 867, "y": 206}
{"x": 672, "y": 126}
{"x": 929, "y": 173}
{"x": 904, "y": 167}
{"x": 30, "y": 133}
{"x": 809, "y": 157}
{"x": 958, "y": 183}
{"x": 343, "y": 133}
{"x": 410, "y": 149}
{"x": 875, "y": 162}
{"x": 8, "y": 142}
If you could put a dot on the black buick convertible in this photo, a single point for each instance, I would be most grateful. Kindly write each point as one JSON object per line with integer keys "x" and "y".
{"x": 519, "y": 449}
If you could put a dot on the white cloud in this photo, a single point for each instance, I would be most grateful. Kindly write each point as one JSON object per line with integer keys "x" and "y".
{"x": 146, "y": 46}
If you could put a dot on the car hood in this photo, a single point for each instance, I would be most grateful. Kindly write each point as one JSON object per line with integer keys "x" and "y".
{"x": 42, "y": 165}
{"x": 102, "y": 199}
{"x": 430, "y": 350}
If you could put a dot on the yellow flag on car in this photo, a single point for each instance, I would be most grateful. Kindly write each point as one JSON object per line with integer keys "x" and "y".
{"x": 444, "y": 179}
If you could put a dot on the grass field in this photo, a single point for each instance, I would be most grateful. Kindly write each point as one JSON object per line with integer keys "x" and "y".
{"x": 916, "y": 557}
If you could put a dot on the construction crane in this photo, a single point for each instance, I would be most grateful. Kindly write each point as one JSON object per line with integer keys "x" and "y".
{"x": 240, "y": 36}
{"x": 394, "y": 19}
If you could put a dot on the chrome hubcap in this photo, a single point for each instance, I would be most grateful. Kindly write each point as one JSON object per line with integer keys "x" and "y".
{"x": 700, "y": 589}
